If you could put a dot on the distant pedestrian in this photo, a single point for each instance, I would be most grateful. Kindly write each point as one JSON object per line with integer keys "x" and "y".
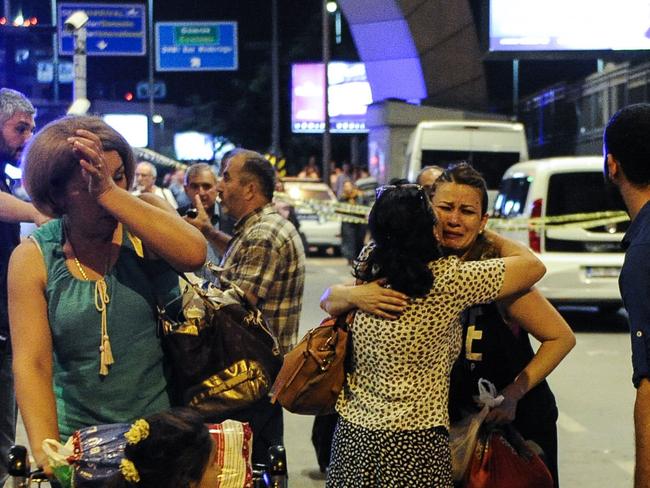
{"x": 626, "y": 146}
{"x": 176, "y": 186}
{"x": 353, "y": 234}
{"x": 310, "y": 170}
{"x": 345, "y": 175}
{"x": 335, "y": 172}
{"x": 145, "y": 182}
{"x": 367, "y": 185}
{"x": 427, "y": 177}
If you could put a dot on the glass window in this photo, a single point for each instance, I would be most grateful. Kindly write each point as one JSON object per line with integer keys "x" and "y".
{"x": 599, "y": 110}
{"x": 636, "y": 94}
{"x": 586, "y": 112}
{"x": 511, "y": 200}
{"x": 580, "y": 192}
{"x": 491, "y": 165}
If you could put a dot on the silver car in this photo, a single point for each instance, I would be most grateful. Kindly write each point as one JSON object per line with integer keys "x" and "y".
{"x": 321, "y": 232}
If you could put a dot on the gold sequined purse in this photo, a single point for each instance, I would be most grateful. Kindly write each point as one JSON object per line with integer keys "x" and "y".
{"x": 222, "y": 353}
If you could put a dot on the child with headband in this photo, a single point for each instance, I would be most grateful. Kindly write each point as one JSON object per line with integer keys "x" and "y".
{"x": 168, "y": 450}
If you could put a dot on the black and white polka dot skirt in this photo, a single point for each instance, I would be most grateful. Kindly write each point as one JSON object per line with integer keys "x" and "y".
{"x": 364, "y": 457}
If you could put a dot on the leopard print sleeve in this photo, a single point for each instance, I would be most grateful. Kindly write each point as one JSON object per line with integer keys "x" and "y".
{"x": 479, "y": 281}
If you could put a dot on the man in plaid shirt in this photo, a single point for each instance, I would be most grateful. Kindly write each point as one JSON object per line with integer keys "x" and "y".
{"x": 266, "y": 259}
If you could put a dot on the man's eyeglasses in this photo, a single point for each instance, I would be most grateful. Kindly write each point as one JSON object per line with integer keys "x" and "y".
{"x": 380, "y": 190}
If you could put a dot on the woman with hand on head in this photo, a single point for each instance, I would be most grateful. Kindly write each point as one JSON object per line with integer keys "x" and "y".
{"x": 393, "y": 426}
{"x": 83, "y": 289}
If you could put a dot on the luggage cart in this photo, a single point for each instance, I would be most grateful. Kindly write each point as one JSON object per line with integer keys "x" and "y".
{"x": 19, "y": 470}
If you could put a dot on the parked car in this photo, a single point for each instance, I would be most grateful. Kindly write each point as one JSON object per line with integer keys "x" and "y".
{"x": 583, "y": 258}
{"x": 321, "y": 232}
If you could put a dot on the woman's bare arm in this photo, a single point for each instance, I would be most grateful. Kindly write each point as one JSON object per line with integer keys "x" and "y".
{"x": 32, "y": 347}
{"x": 372, "y": 297}
{"x": 533, "y": 313}
{"x": 523, "y": 268}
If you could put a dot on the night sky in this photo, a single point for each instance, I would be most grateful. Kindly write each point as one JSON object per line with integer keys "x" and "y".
{"x": 299, "y": 36}
{"x": 241, "y": 99}
{"x": 298, "y": 20}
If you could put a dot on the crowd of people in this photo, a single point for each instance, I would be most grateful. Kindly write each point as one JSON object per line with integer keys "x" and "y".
{"x": 79, "y": 322}
{"x": 441, "y": 301}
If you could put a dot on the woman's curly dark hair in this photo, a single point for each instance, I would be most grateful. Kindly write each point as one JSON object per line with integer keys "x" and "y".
{"x": 401, "y": 224}
{"x": 174, "y": 455}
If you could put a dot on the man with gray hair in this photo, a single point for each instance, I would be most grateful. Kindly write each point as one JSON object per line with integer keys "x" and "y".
{"x": 145, "y": 182}
{"x": 16, "y": 127}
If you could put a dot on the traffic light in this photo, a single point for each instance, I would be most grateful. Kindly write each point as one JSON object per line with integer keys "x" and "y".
{"x": 23, "y": 26}
{"x": 128, "y": 96}
{"x": 19, "y": 21}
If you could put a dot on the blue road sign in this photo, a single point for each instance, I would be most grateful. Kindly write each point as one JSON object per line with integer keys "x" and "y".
{"x": 112, "y": 29}
{"x": 196, "y": 46}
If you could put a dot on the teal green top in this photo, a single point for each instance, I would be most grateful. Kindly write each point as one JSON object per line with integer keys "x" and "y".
{"x": 136, "y": 384}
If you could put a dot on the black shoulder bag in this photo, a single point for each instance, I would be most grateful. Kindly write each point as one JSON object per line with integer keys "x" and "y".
{"x": 223, "y": 354}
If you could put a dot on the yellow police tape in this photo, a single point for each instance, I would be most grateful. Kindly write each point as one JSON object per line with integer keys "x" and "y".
{"x": 328, "y": 210}
{"x": 569, "y": 221}
{"x": 358, "y": 214}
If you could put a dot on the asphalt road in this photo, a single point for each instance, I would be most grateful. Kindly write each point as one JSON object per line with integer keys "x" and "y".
{"x": 592, "y": 386}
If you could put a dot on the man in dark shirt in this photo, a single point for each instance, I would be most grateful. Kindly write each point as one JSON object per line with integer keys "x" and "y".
{"x": 16, "y": 127}
{"x": 201, "y": 190}
{"x": 626, "y": 147}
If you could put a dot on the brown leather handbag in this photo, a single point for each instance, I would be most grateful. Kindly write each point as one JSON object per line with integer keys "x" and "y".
{"x": 313, "y": 373}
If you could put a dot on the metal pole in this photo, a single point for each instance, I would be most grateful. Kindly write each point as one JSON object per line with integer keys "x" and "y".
{"x": 354, "y": 150}
{"x": 327, "y": 148}
{"x": 337, "y": 26}
{"x": 275, "y": 81}
{"x": 515, "y": 86}
{"x": 7, "y": 10}
{"x": 55, "y": 53}
{"x": 152, "y": 136}
{"x": 79, "y": 60}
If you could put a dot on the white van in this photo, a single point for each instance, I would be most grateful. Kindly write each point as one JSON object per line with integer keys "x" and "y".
{"x": 490, "y": 146}
{"x": 582, "y": 254}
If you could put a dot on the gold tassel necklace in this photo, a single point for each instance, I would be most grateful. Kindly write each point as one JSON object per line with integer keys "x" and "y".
{"x": 101, "y": 304}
